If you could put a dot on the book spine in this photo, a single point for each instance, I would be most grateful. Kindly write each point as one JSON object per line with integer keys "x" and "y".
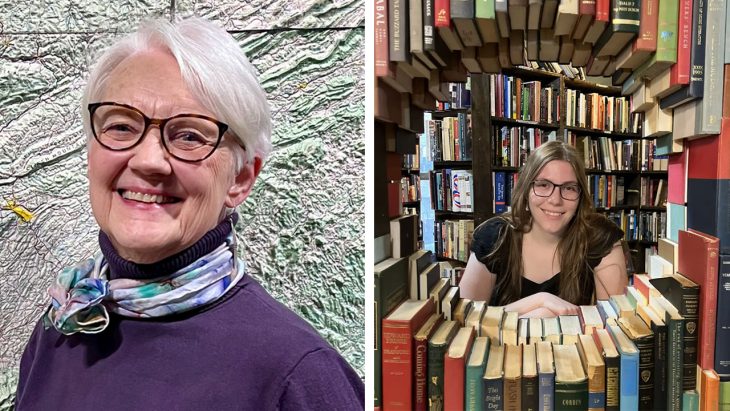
{"x": 530, "y": 399}
{"x": 545, "y": 391}
{"x": 697, "y": 59}
{"x": 629, "y": 382}
{"x": 474, "y": 389}
{"x": 380, "y": 34}
{"x": 397, "y": 15}
{"x": 571, "y": 396}
{"x": 613, "y": 367}
{"x": 493, "y": 394}
{"x": 679, "y": 74}
{"x": 666, "y": 47}
{"x": 436, "y": 376}
{"x": 512, "y": 394}
{"x": 722, "y": 330}
{"x": 428, "y": 22}
{"x": 660, "y": 366}
{"x": 647, "y": 39}
{"x": 708, "y": 122}
{"x": 420, "y": 375}
{"x": 626, "y": 16}
{"x": 675, "y": 349}
{"x": 397, "y": 366}
{"x": 454, "y": 383}
{"x": 596, "y": 388}
{"x": 442, "y": 16}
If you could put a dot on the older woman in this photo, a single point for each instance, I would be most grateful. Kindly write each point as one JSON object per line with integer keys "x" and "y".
{"x": 165, "y": 316}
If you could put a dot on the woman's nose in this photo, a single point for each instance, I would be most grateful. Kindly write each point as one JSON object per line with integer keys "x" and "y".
{"x": 150, "y": 155}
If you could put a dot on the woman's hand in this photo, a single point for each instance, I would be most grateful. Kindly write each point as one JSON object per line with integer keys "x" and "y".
{"x": 540, "y": 312}
{"x": 556, "y": 305}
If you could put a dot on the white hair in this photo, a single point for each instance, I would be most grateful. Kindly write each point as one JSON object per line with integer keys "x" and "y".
{"x": 213, "y": 67}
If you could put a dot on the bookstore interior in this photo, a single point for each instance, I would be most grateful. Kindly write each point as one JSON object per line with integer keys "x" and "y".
{"x": 464, "y": 92}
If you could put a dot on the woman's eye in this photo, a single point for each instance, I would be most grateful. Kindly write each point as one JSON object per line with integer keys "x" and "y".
{"x": 119, "y": 128}
{"x": 188, "y": 137}
{"x": 571, "y": 188}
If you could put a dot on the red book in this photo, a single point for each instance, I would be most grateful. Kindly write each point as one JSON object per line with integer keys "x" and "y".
{"x": 726, "y": 95}
{"x": 646, "y": 40}
{"x": 602, "y": 10}
{"x": 420, "y": 341}
{"x": 399, "y": 354}
{"x": 698, "y": 261}
{"x": 677, "y": 177}
{"x": 679, "y": 73}
{"x": 381, "y": 38}
{"x": 455, "y": 368}
{"x": 442, "y": 18}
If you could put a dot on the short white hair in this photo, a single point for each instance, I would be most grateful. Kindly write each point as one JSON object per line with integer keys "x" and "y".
{"x": 213, "y": 67}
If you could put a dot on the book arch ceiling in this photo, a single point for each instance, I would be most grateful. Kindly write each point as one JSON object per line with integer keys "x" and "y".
{"x": 301, "y": 231}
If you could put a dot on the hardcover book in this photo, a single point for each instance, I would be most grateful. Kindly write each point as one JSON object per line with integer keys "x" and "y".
{"x": 612, "y": 363}
{"x": 391, "y": 288}
{"x": 455, "y": 368}
{"x": 398, "y": 365}
{"x": 629, "y": 369}
{"x": 643, "y": 338}
{"x": 421, "y": 369}
{"x": 623, "y": 27}
{"x": 437, "y": 347}
{"x": 530, "y": 386}
{"x": 698, "y": 261}
{"x": 683, "y": 294}
{"x": 474, "y": 390}
{"x": 546, "y": 375}
{"x": 492, "y": 380}
{"x": 512, "y": 377}
{"x": 571, "y": 382}
{"x": 595, "y": 369}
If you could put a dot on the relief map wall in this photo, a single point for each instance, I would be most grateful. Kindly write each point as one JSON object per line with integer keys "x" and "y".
{"x": 301, "y": 230}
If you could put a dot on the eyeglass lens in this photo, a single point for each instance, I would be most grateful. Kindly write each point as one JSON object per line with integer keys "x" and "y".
{"x": 544, "y": 188}
{"x": 185, "y": 137}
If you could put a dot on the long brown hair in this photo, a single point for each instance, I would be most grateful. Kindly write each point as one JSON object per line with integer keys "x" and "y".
{"x": 573, "y": 246}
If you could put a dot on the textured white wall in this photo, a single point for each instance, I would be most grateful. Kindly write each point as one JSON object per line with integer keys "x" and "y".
{"x": 302, "y": 230}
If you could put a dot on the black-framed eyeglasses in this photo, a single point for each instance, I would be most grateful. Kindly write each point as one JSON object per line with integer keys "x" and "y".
{"x": 187, "y": 137}
{"x": 545, "y": 188}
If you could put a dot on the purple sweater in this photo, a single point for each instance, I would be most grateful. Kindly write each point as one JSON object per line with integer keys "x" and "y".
{"x": 245, "y": 351}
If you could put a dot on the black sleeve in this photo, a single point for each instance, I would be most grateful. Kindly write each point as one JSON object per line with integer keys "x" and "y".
{"x": 604, "y": 234}
{"x": 486, "y": 237}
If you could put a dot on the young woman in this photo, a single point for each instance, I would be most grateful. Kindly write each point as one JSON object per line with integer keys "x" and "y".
{"x": 551, "y": 252}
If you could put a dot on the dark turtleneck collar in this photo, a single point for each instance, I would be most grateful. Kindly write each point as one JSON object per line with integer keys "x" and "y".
{"x": 121, "y": 268}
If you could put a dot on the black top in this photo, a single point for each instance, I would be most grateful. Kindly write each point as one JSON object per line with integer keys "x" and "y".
{"x": 487, "y": 235}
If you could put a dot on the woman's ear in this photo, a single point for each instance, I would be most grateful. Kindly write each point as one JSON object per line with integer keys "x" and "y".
{"x": 243, "y": 183}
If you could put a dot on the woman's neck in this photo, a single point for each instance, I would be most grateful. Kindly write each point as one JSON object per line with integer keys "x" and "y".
{"x": 121, "y": 268}
{"x": 541, "y": 238}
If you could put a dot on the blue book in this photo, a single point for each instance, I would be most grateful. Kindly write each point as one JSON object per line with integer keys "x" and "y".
{"x": 545, "y": 375}
{"x": 492, "y": 380}
{"x": 676, "y": 220}
{"x": 629, "y": 369}
{"x": 500, "y": 205}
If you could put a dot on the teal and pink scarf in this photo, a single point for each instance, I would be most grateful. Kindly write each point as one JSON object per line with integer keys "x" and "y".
{"x": 82, "y": 296}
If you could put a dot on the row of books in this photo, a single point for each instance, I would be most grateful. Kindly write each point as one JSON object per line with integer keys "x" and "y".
{"x": 598, "y": 112}
{"x": 412, "y": 162}
{"x": 410, "y": 188}
{"x": 450, "y": 138}
{"x": 451, "y": 190}
{"x": 502, "y": 182}
{"x": 453, "y": 238}
{"x": 513, "y": 98}
{"x": 648, "y": 226}
{"x": 459, "y": 97}
{"x": 606, "y": 154}
{"x": 512, "y": 144}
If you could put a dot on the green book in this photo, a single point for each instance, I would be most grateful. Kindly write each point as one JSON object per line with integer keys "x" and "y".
{"x": 475, "y": 367}
{"x": 725, "y": 395}
{"x": 571, "y": 382}
{"x": 438, "y": 345}
{"x": 666, "y": 46}
{"x": 691, "y": 401}
{"x": 391, "y": 288}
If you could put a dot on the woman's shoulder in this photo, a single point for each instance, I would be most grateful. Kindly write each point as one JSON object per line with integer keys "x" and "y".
{"x": 603, "y": 234}
{"x": 490, "y": 230}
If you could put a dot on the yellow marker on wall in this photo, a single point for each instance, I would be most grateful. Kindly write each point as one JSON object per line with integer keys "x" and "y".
{"x": 22, "y": 212}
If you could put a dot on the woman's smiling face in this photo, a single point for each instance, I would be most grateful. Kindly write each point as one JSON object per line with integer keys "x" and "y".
{"x": 552, "y": 214}
{"x": 150, "y": 204}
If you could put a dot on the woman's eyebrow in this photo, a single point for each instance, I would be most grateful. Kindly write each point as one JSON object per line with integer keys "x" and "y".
{"x": 554, "y": 183}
